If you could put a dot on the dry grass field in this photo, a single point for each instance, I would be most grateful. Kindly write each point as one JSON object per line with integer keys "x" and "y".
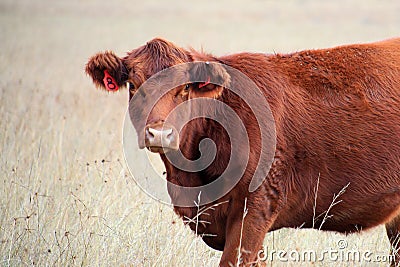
{"x": 66, "y": 195}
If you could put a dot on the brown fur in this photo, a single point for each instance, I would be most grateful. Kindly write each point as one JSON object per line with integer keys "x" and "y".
{"x": 337, "y": 116}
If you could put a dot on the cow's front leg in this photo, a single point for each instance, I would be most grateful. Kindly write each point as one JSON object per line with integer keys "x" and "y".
{"x": 245, "y": 231}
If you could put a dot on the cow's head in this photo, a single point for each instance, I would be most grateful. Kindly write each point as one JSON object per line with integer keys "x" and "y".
{"x": 158, "y": 134}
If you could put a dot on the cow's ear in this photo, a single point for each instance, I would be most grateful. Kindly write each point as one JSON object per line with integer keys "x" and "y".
{"x": 209, "y": 78}
{"x": 107, "y": 71}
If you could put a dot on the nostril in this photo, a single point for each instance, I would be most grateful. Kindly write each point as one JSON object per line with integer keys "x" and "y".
{"x": 160, "y": 136}
{"x": 169, "y": 134}
{"x": 149, "y": 134}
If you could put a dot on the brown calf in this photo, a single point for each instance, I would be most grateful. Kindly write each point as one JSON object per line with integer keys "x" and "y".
{"x": 337, "y": 121}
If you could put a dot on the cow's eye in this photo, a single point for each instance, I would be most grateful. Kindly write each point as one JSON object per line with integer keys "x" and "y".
{"x": 185, "y": 90}
{"x": 131, "y": 87}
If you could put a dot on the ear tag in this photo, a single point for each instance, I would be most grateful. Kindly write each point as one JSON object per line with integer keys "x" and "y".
{"x": 109, "y": 82}
{"x": 204, "y": 84}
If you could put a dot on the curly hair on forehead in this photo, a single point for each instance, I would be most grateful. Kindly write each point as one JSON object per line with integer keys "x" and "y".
{"x": 156, "y": 55}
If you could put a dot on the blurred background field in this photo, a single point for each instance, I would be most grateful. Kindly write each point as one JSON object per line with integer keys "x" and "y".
{"x": 66, "y": 195}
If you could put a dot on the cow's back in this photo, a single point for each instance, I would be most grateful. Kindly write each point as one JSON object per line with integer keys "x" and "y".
{"x": 338, "y": 123}
{"x": 344, "y": 127}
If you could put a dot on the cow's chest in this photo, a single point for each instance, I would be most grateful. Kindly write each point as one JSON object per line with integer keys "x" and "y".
{"x": 208, "y": 222}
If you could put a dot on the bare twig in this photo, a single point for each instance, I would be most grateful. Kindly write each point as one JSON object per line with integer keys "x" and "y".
{"x": 239, "y": 255}
{"x": 315, "y": 200}
{"x": 334, "y": 202}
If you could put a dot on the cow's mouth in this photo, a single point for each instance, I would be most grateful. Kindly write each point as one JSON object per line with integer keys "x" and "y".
{"x": 159, "y": 149}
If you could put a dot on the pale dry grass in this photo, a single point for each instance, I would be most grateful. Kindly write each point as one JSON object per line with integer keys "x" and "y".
{"x": 66, "y": 196}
